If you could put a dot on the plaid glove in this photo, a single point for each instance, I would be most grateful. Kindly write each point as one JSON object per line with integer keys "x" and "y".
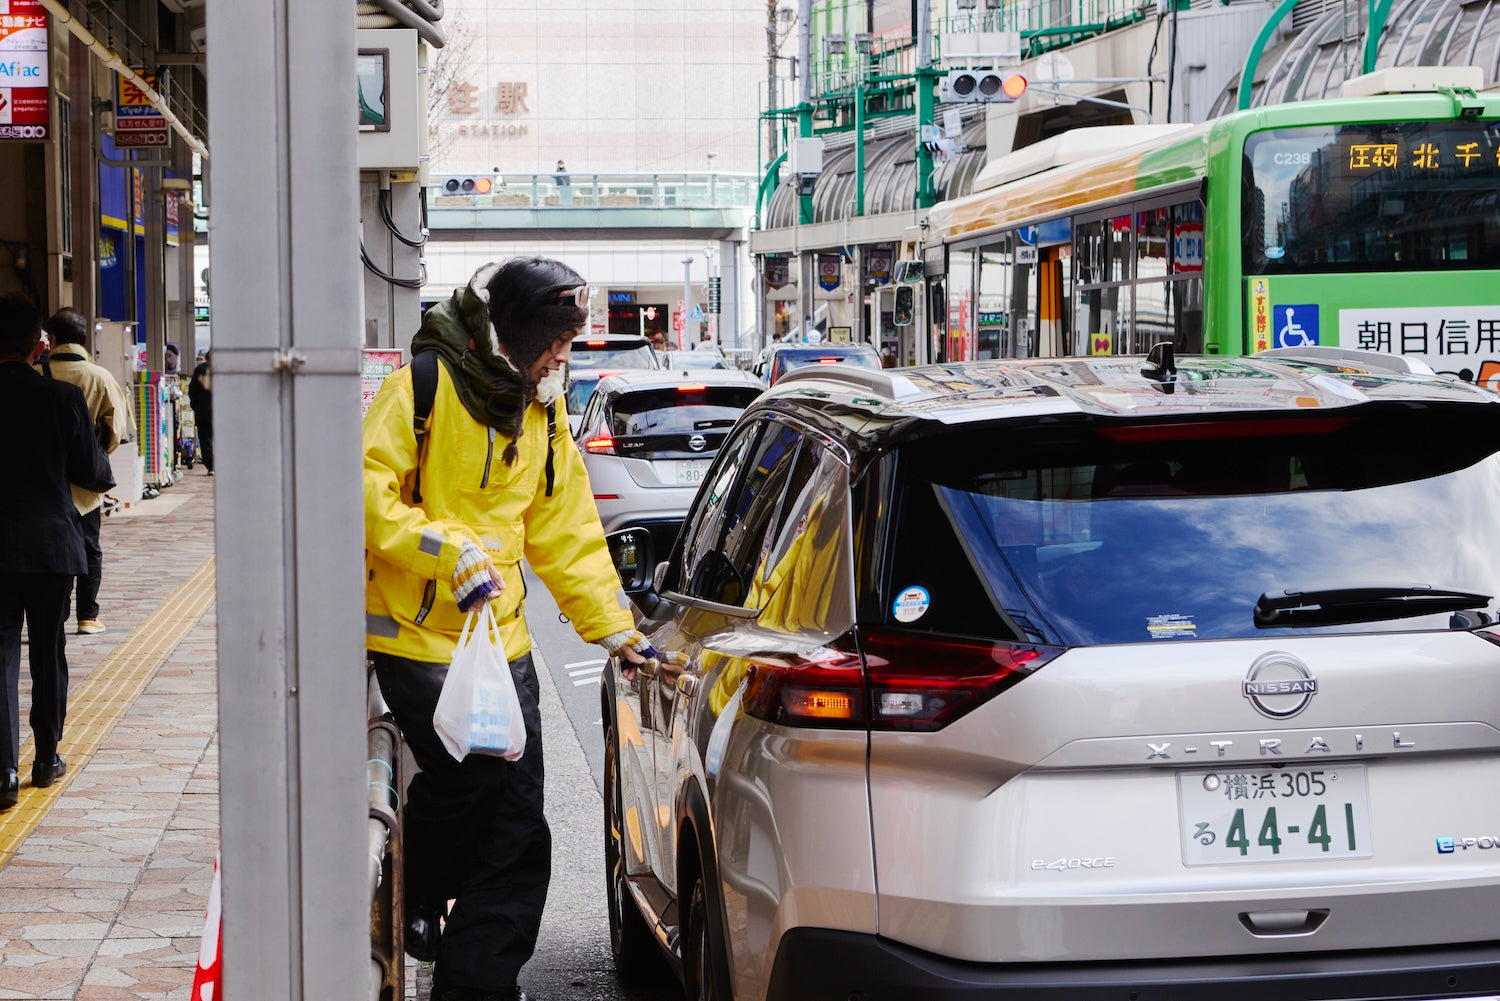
{"x": 473, "y": 584}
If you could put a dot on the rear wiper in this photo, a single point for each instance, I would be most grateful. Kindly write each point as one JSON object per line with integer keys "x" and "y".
{"x": 1332, "y": 606}
{"x": 719, "y": 422}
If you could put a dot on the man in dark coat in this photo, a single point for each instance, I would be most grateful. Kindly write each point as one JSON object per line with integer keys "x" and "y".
{"x": 201, "y": 398}
{"x": 48, "y": 443}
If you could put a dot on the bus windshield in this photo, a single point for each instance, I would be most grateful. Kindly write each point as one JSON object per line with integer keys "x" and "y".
{"x": 1395, "y": 196}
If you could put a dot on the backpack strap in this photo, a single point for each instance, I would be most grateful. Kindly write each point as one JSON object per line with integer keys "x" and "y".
{"x": 551, "y": 433}
{"x": 424, "y": 381}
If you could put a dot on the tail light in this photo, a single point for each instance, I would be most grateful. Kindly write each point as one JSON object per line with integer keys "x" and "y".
{"x": 829, "y": 361}
{"x": 600, "y": 445}
{"x": 692, "y": 389}
{"x": 1492, "y": 634}
{"x": 596, "y": 344}
{"x": 909, "y": 681}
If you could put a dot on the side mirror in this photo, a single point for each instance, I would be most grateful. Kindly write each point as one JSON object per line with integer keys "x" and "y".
{"x": 906, "y": 305}
{"x": 633, "y": 553}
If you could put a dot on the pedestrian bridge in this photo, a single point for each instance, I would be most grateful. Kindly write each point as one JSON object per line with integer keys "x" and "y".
{"x": 709, "y": 205}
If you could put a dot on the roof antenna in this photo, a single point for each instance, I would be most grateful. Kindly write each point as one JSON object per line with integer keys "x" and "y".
{"x": 1161, "y": 363}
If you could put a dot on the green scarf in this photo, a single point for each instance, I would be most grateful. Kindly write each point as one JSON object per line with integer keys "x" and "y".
{"x": 492, "y": 390}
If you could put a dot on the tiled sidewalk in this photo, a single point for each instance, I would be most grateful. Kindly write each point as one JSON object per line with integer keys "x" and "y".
{"x": 105, "y": 899}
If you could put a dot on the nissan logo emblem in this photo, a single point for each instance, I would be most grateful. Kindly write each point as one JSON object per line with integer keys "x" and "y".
{"x": 697, "y": 443}
{"x": 1279, "y": 685}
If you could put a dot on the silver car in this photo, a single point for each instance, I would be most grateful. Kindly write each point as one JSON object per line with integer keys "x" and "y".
{"x": 1085, "y": 678}
{"x": 648, "y": 438}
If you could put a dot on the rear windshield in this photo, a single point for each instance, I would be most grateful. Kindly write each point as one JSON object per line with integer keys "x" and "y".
{"x": 611, "y": 355}
{"x": 790, "y": 358}
{"x": 1077, "y": 538}
{"x": 679, "y": 410}
{"x": 1391, "y": 196}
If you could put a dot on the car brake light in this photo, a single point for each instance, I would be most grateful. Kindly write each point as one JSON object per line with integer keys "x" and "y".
{"x": 602, "y": 445}
{"x": 910, "y": 681}
{"x": 923, "y": 681}
{"x": 829, "y": 361}
{"x": 1250, "y": 428}
{"x": 691, "y": 389}
{"x": 596, "y": 344}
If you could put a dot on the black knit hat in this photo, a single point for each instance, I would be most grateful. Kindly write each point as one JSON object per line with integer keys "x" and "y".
{"x": 527, "y": 309}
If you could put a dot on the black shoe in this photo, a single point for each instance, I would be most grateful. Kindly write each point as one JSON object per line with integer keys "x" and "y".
{"x": 10, "y": 789}
{"x": 44, "y": 773}
{"x": 423, "y": 930}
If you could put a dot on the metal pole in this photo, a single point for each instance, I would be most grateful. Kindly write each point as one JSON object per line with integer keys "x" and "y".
{"x": 285, "y": 227}
{"x": 926, "y": 197}
{"x": 688, "y": 340}
{"x": 804, "y": 105}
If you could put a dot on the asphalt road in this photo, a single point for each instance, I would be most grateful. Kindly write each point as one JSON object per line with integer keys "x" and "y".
{"x": 572, "y": 960}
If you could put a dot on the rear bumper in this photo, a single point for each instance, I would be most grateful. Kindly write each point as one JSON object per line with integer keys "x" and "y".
{"x": 814, "y": 964}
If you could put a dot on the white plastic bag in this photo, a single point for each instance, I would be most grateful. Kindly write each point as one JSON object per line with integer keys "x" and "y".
{"x": 478, "y": 711}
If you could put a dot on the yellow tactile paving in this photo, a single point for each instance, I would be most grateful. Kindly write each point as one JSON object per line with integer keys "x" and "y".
{"x": 104, "y": 696}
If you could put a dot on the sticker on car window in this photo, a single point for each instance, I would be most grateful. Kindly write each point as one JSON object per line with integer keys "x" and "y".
{"x": 1170, "y": 627}
{"x": 911, "y": 604}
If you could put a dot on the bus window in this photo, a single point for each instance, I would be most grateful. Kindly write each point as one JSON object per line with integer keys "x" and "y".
{"x": 994, "y": 338}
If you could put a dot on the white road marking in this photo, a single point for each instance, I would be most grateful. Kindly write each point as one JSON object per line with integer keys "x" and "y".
{"x": 585, "y": 666}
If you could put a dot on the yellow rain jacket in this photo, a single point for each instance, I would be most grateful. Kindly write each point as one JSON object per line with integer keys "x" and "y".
{"x": 469, "y": 492}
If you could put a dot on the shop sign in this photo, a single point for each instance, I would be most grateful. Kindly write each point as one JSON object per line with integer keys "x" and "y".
{"x": 106, "y": 251}
{"x": 376, "y": 364}
{"x": 138, "y": 122}
{"x": 830, "y": 271}
{"x": 24, "y": 96}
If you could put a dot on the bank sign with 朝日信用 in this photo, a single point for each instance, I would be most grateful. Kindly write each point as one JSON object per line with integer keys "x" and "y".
{"x": 24, "y": 98}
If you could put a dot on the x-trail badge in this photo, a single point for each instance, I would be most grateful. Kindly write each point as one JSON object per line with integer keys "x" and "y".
{"x": 1279, "y": 685}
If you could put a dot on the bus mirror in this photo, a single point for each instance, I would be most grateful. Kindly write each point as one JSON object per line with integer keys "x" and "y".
{"x": 906, "y": 302}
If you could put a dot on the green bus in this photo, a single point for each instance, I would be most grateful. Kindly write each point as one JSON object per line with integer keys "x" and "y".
{"x": 1366, "y": 222}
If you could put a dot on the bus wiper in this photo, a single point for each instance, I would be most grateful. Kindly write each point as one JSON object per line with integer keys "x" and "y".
{"x": 1337, "y": 605}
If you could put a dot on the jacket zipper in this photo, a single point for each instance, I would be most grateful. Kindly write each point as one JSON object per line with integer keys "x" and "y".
{"x": 428, "y": 595}
{"x": 489, "y": 453}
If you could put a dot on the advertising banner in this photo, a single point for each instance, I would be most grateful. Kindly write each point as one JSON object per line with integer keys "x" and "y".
{"x": 377, "y": 364}
{"x": 830, "y": 271}
{"x": 24, "y": 105}
{"x": 776, "y": 270}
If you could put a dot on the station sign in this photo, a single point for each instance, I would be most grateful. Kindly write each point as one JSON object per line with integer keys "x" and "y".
{"x": 25, "y": 103}
{"x": 138, "y": 122}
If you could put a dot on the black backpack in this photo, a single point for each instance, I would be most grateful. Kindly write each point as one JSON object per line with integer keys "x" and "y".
{"x": 424, "y": 382}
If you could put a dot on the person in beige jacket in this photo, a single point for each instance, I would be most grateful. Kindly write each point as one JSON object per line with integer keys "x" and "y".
{"x": 109, "y": 408}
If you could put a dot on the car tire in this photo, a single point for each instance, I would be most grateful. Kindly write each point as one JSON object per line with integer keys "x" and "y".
{"x": 704, "y": 974}
{"x": 630, "y": 940}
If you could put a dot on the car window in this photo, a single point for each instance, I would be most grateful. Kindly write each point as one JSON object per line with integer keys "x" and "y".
{"x": 678, "y": 409}
{"x": 724, "y": 574}
{"x": 611, "y": 355}
{"x": 701, "y": 531}
{"x": 579, "y": 392}
{"x": 799, "y": 357}
{"x": 804, "y": 582}
{"x": 1087, "y": 540}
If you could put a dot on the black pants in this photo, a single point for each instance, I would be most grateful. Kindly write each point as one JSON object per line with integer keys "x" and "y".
{"x": 206, "y": 444}
{"x": 88, "y": 583}
{"x": 42, "y": 599}
{"x": 474, "y": 831}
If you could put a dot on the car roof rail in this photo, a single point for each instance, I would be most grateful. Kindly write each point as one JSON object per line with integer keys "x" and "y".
{"x": 886, "y": 383}
{"x": 1377, "y": 361}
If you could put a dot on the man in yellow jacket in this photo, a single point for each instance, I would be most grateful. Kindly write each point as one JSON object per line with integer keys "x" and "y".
{"x": 109, "y": 409}
{"x": 494, "y": 480}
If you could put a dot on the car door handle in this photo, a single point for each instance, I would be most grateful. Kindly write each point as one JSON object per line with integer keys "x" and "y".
{"x": 687, "y": 684}
{"x": 648, "y": 667}
{"x": 1272, "y": 924}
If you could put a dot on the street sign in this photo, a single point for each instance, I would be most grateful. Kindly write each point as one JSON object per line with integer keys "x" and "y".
{"x": 697, "y": 313}
{"x": 714, "y": 294}
{"x": 137, "y": 121}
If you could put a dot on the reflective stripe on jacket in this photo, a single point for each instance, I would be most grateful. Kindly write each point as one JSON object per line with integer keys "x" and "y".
{"x": 469, "y": 492}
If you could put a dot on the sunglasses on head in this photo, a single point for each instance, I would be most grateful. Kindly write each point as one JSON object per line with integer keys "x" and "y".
{"x": 581, "y": 296}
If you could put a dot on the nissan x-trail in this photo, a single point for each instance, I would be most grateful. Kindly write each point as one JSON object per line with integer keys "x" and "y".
{"x": 1073, "y": 678}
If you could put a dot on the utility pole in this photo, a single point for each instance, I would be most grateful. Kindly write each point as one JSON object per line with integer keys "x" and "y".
{"x": 771, "y": 46}
{"x": 926, "y": 196}
{"x": 688, "y": 340}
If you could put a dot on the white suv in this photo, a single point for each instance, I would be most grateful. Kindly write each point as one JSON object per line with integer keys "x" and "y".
{"x": 1084, "y": 678}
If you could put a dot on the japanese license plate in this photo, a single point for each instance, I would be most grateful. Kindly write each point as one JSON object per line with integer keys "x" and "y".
{"x": 1250, "y": 814}
{"x": 690, "y": 471}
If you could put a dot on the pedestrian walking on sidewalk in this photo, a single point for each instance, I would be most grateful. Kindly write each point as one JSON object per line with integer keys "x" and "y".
{"x": 448, "y": 520}
{"x": 201, "y": 399}
{"x": 47, "y": 444}
{"x": 109, "y": 412}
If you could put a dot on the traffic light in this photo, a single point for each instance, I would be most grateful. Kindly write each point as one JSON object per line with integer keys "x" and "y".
{"x": 981, "y": 87}
{"x": 476, "y": 184}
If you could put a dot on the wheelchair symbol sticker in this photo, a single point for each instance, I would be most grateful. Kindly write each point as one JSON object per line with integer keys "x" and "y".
{"x": 1296, "y": 326}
